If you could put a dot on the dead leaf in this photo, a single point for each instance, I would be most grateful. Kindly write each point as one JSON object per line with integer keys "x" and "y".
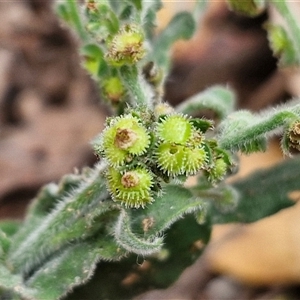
{"x": 265, "y": 252}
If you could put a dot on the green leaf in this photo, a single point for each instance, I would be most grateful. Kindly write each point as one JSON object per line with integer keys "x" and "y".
{"x": 136, "y": 3}
{"x": 182, "y": 26}
{"x": 219, "y": 99}
{"x": 200, "y": 9}
{"x": 175, "y": 202}
{"x": 141, "y": 236}
{"x": 281, "y": 45}
{"x": 185, "y": 239}
{"x": 10, "y": 227}
{"x": 156, "y": 271}
{"x": 106, "y": 18}
{"x": 94, "y": 61}
{"x": 126, "y": 13}
{"x": 291, "y": 19}
{"x": 263, "y": 193}
{"x": 73, "y": 267}
{"x": 131, "y": 242}
{"x": 8, "y": 280}
{"x": 43, "y": 204}
{"x": 71, "y": 220}
{"x": 4, "y": 244}
{"x": 224, "y": 198}
{"x": 49, "y": 195}
{"x": 62, "y": 11}
{"x": 148, "y": 17}
{"x": 201, "y": 124}
{"x": 71, "y": 12}
{"x": 12, "y": 287}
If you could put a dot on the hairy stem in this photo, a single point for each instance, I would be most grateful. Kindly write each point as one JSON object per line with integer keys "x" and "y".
{"x": 258, "y": 127}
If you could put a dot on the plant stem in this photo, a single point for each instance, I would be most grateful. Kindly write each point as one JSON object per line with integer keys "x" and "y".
{"x": 139, "y": 89}
{"x": 260, "y": 127}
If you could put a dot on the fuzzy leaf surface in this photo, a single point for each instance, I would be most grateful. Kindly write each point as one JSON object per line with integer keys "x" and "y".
{"x": 175, "y": 202}
{"x": 12, "y": 287}
{"x": 130, "y": 241}
{"x": 182, "y": 26}
{"x": 74, "y": 266}
{"x": 263, "y": 193}
{"x": 156, "y": 271}
{"x": 70, "y": 220}
{"x": 219, "y": 99}
{"x": 43, "y": 204}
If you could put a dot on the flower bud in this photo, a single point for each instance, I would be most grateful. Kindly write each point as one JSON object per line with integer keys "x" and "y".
{"x": 127, "y": 47}
{"x": 218, "y": 171}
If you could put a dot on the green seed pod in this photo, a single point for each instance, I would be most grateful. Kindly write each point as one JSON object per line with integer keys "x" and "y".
{"x": 293, "y": 135}
{"x": 127, "y": 47}
{"x": 170, "y": 158}
{"x": 132, "y": 188}
{"x": 195, "y": 159}
{"x": 175, "y": 128}
{"x": 125, "y": 137}
{"x": 218, "y": 171}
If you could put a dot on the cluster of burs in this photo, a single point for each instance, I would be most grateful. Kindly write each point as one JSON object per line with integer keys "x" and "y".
{"x": 144, "y": 150}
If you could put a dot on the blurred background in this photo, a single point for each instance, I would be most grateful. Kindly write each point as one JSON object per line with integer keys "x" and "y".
{"x": 50, "y": 108}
